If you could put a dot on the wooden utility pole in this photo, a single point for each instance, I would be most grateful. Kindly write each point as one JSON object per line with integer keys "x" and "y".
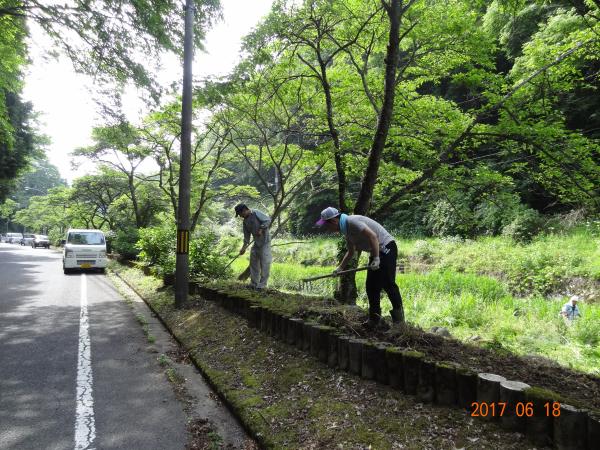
{"x": 182, "y": 268}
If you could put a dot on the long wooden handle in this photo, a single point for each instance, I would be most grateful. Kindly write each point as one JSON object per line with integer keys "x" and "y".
{"x": 331, "y": 275}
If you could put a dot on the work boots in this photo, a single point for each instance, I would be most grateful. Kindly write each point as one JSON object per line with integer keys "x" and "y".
{"x": 397, "y": 315}
{"x": 371, "y": 324}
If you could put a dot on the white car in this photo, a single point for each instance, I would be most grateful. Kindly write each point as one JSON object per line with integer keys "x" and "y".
{"x": 13, "y": 238}
{"x": 84, "y": 249}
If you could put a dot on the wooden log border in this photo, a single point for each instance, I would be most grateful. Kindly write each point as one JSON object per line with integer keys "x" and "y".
{"x": 410, "y": 372}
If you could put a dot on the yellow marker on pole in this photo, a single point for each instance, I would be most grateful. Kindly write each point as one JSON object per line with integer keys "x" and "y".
{"x": 183, "y": 242}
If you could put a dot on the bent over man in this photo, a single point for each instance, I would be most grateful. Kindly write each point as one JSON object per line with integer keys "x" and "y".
{"x": 256, "y": 224}
{"x": 364, "y": 234}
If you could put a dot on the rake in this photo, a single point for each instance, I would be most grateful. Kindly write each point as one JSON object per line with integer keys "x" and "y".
{"x": 332, "y": 275}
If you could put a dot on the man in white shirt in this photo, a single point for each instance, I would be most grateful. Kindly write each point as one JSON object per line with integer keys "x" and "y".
{"x": 364, "y": 234}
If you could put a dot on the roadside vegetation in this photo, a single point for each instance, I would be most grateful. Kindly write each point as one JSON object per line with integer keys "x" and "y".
{"x": 288, "y": 399}
{"x": 490, "y": 291}
{"x": 474, "y": 138}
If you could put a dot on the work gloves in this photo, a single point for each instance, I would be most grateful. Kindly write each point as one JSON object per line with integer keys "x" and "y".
{"x": 374, "y": 264}
{"x": 337, "y": 271}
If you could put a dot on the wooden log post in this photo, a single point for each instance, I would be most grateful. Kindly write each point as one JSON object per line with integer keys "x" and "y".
{"x": 539, "y": 427}
{"x": 593, "y": 430}
{"x": 426, "y": 386}
{"x": 276, "y": 325}
{"x": 381, "y": 367}
{"x": 245, "y": 306}
{"x": 411, "y": 362}
{"x": 332, "y": 350}
{"x": 294, "y": 328}
{"x": 517, "y": 409}
{"x": 488, "y": 393}
{"x": 343, "y": 352}
{"x": 355, "y": 349}
{"x": 323, "y": 351}
{"x": 570, "y": 428}
{"x": 445, "y": 384}
{"x": 393, "y": 356}
{"x": 315, "y": 336}
{"x": 306, "y": 335}
{"x": 254, "y": 313}
{"x": 265, "y": 319}
{"x": 368, "y": 361}
{"x": 466, "y": 388}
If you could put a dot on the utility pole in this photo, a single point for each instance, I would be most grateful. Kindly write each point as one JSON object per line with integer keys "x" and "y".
{"x": 182, "y": 267}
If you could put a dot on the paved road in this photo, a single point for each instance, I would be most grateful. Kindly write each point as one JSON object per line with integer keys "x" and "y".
{"x": 74, "y": 372}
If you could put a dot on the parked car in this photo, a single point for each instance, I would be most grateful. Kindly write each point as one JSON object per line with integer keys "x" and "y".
{"x": 27, "y": 239}
{"x": 84, "y": 249}
{"x": 14, "y": 238}
{"x": 40, "y": 240}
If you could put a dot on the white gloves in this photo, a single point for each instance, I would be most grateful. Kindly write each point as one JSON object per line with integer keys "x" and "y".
{"x": 374, "y": 265}
{"x": 337, "y": 271}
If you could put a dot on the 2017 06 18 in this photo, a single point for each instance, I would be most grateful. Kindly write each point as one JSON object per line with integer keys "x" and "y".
{"x": 520, "y": 409}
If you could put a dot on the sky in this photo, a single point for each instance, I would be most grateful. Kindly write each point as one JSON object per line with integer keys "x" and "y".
{"x": 62, "y": 98}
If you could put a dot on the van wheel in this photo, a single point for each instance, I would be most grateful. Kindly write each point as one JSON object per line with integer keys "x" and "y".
{"x": 66, "y": 271}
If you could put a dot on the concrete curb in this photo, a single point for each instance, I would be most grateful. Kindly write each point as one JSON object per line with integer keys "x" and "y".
{"x": 213, "y": 385}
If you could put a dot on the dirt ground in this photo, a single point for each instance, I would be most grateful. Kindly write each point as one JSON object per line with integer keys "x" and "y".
{"x": 296, "y": 402}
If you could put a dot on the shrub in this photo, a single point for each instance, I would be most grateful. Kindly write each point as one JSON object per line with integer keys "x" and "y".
{"x": 157, "y": 248}
{"x": 524, "y": 226}
{"x": 205, "y": 260}
{"x": 55, "y": 236}
{"x": 124, "y": 243}
{"x": 156, "y": 243}
{"x": 423, "y": 251}
{"x": 450, "y": 219}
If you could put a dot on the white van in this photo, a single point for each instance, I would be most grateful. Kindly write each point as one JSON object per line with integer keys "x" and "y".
{"x": 84, "y": 249}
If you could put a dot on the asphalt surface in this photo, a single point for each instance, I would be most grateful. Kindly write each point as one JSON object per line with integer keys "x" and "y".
{"x": 128, "y": 403}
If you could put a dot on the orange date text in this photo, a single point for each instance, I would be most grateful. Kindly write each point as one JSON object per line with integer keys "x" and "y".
{"x": 519, "y": 409}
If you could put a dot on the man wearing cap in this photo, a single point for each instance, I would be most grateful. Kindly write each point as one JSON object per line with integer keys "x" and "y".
{"x": 256, "y": 224}
{"x": 364, "y": 234}
{"x": 570, "y": 311}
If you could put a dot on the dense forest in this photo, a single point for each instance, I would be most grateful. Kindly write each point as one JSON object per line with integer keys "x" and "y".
{"x": 438, "y": 118}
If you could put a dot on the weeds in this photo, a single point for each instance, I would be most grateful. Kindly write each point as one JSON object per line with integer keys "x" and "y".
{"x": 492, "y": 290}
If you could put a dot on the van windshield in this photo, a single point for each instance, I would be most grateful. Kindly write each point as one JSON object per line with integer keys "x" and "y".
{"x": 86, "y": 238}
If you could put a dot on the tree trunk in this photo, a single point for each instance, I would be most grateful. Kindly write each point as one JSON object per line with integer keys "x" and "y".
{"x": 385, "y": 117}
{"x": 347, "y": 292}
{"x": 136, "y": 208}
{"x": 339, "y": 165}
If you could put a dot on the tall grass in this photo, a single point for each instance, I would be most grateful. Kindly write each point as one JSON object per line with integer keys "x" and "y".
{"x": 472, "y": 288}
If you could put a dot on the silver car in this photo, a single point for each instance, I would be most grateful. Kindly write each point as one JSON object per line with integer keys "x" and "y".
{"x": 27, "y": 239}
{"x": 40, "y": 240}
{"x": 14, "y": 238}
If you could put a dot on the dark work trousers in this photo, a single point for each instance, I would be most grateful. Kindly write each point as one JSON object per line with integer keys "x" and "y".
{"x": 383, "y": 279}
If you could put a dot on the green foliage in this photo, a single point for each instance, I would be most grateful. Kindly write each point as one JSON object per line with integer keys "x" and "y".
{"x": 205, "y": 261}
{"x": 114, "y": 40}
{"x": 448, "y": 219}
{"x": 124, "y": 242}
{"x": 524, "y": 226}
{"x": 156, "y": 247}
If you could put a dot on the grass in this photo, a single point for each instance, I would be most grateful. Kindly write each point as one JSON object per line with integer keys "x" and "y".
{"x": 477, "y": 289}
{"x": 291, "y": 401}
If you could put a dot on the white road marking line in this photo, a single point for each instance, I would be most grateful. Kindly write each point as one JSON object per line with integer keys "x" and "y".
{"x": 85, "y": 428}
